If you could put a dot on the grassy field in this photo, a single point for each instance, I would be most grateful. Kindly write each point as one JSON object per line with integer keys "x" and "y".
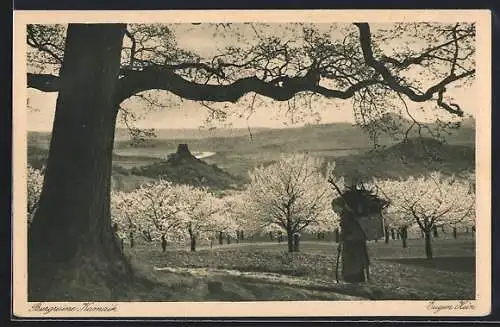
{"x": 265, "y": 271}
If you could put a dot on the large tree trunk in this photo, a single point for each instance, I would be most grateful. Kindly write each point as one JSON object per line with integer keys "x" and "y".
{"x": 72, "y": 252}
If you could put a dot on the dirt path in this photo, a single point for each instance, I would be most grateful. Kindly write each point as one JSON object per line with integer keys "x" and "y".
{"x": 249, "y": 282}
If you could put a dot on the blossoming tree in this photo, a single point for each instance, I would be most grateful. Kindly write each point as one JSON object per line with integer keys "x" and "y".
{"x": 200, "y": 213}
{"x": 238, "y": 217}
{"x": 292, "y": 194}
{"x": 429, "y": 201}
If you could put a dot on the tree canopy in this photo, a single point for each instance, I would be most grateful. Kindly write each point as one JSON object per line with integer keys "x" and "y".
{"x": 378, "y": 68}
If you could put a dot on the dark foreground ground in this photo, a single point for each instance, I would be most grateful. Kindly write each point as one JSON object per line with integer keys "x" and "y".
{"x": 266, "y": 272}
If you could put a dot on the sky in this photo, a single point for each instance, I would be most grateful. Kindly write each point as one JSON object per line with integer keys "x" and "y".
{"x": 207, "y": 41}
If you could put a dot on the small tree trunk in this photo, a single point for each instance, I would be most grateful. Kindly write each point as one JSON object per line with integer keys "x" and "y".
{"x": 271, "y": 236}
{"x": 242, "y": 235}
{"x": 163, "y": 243}
{"x": 221, "y": 238}
{"x": 192, "y": 239}
{"x": 337, "y": 235}
{"x": 435, "y": 231}
{"x": 289, "y": 236}
{"x": 428, "y": 244}
{"x": 393, "y": 234}
{"x": 296, "y": 242}
{"x": 404, "y": 235}
{"x": 467, "y": 230}
{"x": 228, "y": 238}
{"x": 386, "y": 234}
{"x": 454, "y": 232}
{"x": 131, "y": 236}
{"x": 193, "y": 243}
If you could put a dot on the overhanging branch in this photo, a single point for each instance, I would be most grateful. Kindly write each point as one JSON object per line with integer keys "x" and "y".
{"x": 43, "y": 82}
{"x": 138, "y": 81}
{"x": 392, "y": 82}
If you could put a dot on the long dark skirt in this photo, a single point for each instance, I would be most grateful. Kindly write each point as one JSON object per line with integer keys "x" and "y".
{"x": 354, "y": 261}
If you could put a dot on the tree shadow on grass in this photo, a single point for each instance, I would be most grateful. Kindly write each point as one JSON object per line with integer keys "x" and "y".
{"x": 453, "y": 264}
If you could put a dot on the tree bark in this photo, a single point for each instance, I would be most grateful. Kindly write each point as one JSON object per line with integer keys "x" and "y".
{"x": 428, "y": 245}
{"x": 72, "y": 251}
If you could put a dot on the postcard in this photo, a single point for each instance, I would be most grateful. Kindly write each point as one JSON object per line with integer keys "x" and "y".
{"x": 236, "y": 163}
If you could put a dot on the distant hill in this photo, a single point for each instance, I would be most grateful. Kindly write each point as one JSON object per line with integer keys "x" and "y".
{"x": 122, "y": 134}
{"x": 415, "y": 156}
{"x": 238, "y": 150}
{"x": 183, "y": 168}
